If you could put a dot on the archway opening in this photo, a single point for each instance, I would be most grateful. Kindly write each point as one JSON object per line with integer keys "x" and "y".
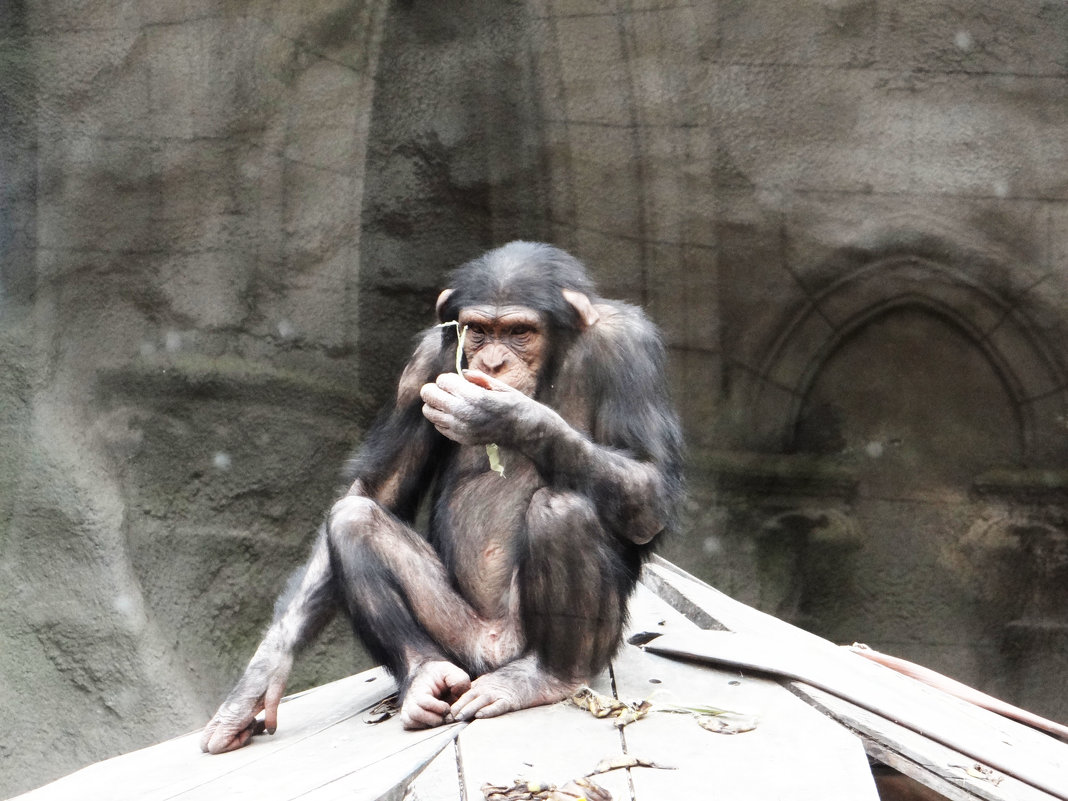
{"x": 914, "y": 406}
{"x": 914, "y": 403}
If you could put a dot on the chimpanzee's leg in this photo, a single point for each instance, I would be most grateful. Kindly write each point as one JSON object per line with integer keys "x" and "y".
{"x": 403, "y": 607}
{"x": 574, "y": 580}
{"x": 373, "y": 592}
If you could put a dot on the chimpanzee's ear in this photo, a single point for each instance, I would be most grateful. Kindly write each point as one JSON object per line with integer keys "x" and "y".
{"x": 442, "y": 299}
{"x": 587, "y": 314}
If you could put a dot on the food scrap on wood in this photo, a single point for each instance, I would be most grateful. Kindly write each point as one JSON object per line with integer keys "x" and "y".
{"x": 603, "y": 706}
{"x": 582, "y": 789}
{"x": 714, "y": 719}
{"x": 383, "y": 710}
{"x": 721, "y": 721}
{"x": 726, "y": 724}
{"x": 981, "y": 772}
{"x": 625, "y": 762}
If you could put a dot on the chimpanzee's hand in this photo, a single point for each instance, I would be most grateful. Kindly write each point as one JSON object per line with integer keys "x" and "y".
{"x": 259, "y": 690}
{"x": 476, "y": 409}
{"x": 434, "y": 687}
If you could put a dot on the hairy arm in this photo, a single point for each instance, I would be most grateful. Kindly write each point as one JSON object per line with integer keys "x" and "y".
{"x": 304, "y": 607}
{"x": 395, "y": 462}
{"x": 618, "y": 445}
{"x": 390, "y": 467}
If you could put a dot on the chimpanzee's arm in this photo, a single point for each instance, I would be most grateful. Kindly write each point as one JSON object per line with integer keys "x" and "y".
{"x": 627, "y": 457}
{"x": 634, "y": 497}
{"x": 624, "y": 453}
{"x": 391, "y": 467}
{"x": 395, "y": 463}
{"x": 304, "y": 607}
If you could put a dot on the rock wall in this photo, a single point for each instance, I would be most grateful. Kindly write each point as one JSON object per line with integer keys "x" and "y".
{"x": 221, "y": 223}
{"x": 181, "y": 238}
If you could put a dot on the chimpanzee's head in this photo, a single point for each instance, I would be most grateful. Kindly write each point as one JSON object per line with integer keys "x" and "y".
{"x": 522, "y": 303}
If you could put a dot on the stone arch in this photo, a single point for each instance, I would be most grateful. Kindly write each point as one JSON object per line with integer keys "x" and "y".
{"x": 992, "y": 323}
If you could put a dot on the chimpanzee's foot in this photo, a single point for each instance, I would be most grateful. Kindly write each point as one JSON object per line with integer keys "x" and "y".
{"x": 517, "y": 685}
{"x": 434, "y": 686}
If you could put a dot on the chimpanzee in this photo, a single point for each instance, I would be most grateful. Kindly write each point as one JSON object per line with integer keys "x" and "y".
{"x": 518, "y": 592}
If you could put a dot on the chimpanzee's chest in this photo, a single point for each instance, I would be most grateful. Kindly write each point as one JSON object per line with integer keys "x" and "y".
{"x": 486, "y": 512}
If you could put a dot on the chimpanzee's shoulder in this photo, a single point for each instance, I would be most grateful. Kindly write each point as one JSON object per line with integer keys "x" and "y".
{"x": 426, "y": 362}
{"x": 622, "y": 326}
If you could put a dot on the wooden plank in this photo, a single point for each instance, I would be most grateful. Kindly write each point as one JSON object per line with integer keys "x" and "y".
{"x": 773, "y": 645}
{"x": 679, "y": 587}
{"x": 973, "y": 732}
{"x": 794, "y": 752}
{"x": 363, "y": 759}
{"x": 321, "y": 740}
{"x": 440, "y": 780}
{"x": 970, "y": 694}
{"x": 928, "y": 762}
{"x": 549, "y": 744}
{"x": 649, "y": 613}
{"x": 378, "y": 776}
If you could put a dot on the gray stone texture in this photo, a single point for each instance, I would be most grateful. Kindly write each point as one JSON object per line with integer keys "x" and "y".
{"x": 221, "y": 223}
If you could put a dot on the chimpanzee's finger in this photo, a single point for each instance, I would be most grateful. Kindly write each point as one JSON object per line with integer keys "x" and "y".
{"x": 271, "y": 699}
{"x": 469, "y": 704}
{"x": 485, "y": 381}
{"x": 225, "y": 739}
{"x": 445, "y": 399}
{"x": 423, "y": 711}
{"x": 458, "y": 386}
{"x": 442, "y": 421}
{"x": 458, "y": 682}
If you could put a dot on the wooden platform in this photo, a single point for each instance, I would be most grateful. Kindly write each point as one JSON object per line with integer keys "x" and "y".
{"x": 806, "y": 743}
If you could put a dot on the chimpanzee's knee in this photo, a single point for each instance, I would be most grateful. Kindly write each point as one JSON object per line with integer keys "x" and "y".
{"x": 352, "y": 518}
{"x": 353, "y": 511}
{"x": 354, "y": 543}
{"x": 554, "y": 518}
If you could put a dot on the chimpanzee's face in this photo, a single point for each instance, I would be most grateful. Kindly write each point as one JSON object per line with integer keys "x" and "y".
{"x": 508, "y": 343}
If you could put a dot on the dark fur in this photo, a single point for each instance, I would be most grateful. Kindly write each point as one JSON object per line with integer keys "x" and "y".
{"x": 576, "y": 566}
{"x": 595, "y": 478}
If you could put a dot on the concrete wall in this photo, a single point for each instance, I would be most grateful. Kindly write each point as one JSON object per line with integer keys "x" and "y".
{"x": 221, "y": 222}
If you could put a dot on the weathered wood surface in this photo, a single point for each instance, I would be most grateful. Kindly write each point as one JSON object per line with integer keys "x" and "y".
{"x": 794, "y": 751}
{"x": 806, "y": 744}
{"x": 324, "y": 750}
{"x": 950, "y": 731}
{"x": 919, "y": 757}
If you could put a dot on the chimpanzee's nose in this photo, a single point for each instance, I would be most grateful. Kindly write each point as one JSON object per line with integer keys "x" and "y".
{"x": 494, "y": 358}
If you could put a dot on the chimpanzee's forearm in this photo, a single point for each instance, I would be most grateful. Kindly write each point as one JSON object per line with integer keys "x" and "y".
{"x": 308, "y": 602}
{"x": 631, "y": 495}
{"x": 304, "y": 607}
